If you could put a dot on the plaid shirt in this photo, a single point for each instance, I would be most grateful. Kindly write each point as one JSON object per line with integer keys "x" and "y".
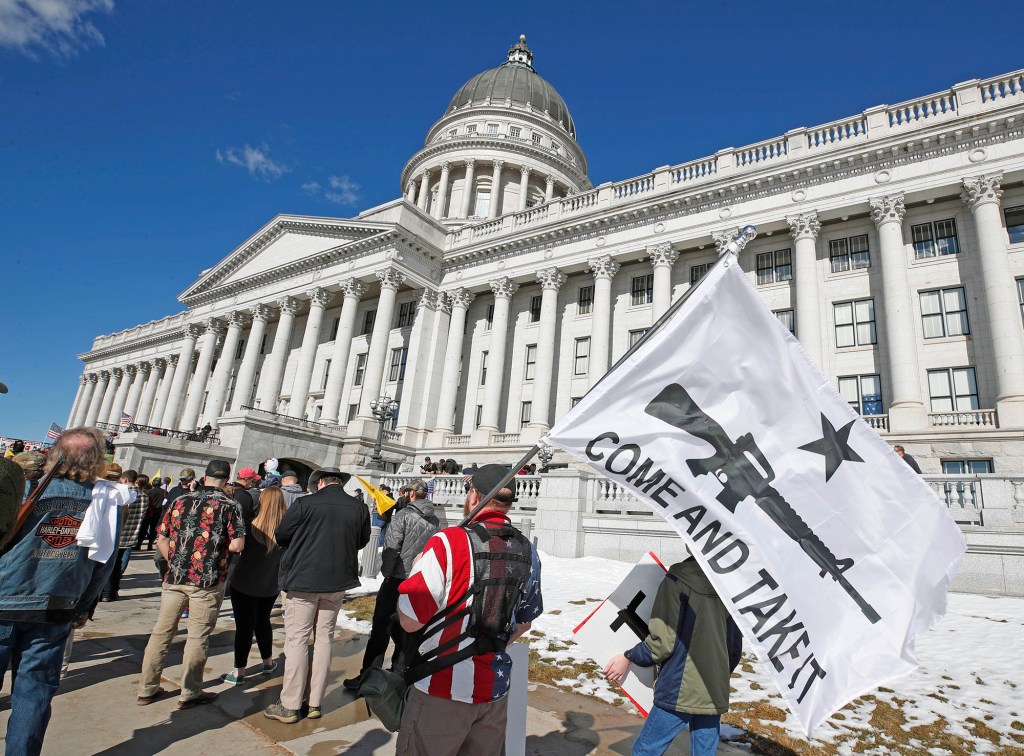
{"x": 133, "y": 515}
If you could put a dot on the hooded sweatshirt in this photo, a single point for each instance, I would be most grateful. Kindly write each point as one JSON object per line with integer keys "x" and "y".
{"x": 694, "y": 640}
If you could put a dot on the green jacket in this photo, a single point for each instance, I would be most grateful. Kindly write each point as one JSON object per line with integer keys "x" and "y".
{"x": 693, "y": 640}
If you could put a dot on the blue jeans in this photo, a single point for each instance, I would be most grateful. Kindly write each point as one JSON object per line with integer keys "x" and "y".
{"x": 662, "y": 726}
{"x": 34, "y": 652}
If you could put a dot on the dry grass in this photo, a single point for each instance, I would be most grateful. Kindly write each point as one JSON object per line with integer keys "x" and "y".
{"x": 361, "y": 607}
{"x": 547, "y": 670}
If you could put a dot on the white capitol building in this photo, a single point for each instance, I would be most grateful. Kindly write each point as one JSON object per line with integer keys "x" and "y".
{"x": 501, "y": 285}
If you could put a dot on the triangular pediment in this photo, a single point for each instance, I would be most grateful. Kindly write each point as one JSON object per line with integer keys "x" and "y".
{"x": 282, "y": 245}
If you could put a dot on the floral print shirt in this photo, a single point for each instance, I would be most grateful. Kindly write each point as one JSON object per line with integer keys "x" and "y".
{"x": 200, "y": 526}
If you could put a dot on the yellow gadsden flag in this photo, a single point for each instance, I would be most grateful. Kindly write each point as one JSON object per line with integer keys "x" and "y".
{"x": 381, "y": 499}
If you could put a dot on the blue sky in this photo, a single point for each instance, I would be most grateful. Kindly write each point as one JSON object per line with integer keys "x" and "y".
{"x": 141, "y": 142}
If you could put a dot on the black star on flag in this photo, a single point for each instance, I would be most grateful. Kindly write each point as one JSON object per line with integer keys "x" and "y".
{"x": 834, "y": 446}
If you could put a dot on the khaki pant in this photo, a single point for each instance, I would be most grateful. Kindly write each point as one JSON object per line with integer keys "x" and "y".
{"x": 203, "y": 607}
{"x": 307, "y": 614}
{"x": 433, "y": 726}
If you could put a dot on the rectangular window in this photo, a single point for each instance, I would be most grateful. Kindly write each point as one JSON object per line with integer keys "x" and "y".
{"x": 786, "y": 317}
{"x": 483, "y": 203}
{"x": 531, "y": 362}
{"x": 944, "y": 312}
{"x": 479, "y": 415}
{"x": 352, "y": 410}
{"x": 953, "y": 390}
{"x": 489, "y": 320}
{"x": 368, "y": 320}
{"x": 535, "y": 303}
{"x": 492, "y": 128}
{"x": 327, "y": 374}
{"x": 471, "y": 129}
{"x": 697, "y": 272}
{"x": 849, "y": 254}
{"x": 406, "y": 314}
{"x": 555, "y": 146}
{"x": 967, "y": 467}
{"x": 394, "y": 415}
{"x": 933, "y": 239}
{"x": 357, "y": 379}
{"x": 574, "y": 400}
{"x": 483, "y": 368}
{"x": 396, "y": 371}
{"x": 585, "y": 300}
{"x": 334, "y": 329}
{"x": 635, "y": 336}
{"x": 515, "y": 132}
{"x": 643, "y": 289}
{"x": 773, "y": 267}
{"x": 855, "y": 323}
{"x": 581, "y": 357}
{"x": 535, "y": 138}
{"x": 863, "y": 392}
{"x": 240, "y": 350}
{"x": 525, "y": 410}
{"x": 1015, "y": 223}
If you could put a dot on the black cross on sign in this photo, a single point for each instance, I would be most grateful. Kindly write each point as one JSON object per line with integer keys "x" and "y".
{"x": 631, "y": 619}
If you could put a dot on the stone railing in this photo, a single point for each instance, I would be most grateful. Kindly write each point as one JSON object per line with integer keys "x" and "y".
{"x": 289, "y": 420}
{"x": 882, "y": 122}
{"x": 457, "y": 440}
{"x": 391, "y": 436}
{"x": 962, "y": 496}
{"x": 198, "y": 435}
{"x": 505, "y": 439}
{"x": 878, "y": 422}
{"x": 982, "y": 418}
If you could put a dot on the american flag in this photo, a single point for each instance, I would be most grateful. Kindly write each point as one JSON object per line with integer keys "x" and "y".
{"x": 126, "y": 419}
{"x": 54, "y": 432}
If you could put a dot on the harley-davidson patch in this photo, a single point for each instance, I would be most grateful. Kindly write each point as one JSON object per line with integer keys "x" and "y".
{"x": 60, "y": 531}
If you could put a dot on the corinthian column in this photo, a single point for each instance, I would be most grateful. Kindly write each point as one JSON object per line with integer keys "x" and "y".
{"x": 156, "y": 372}
{"x": 83, "y": 382}
{"x": 663, "y": 257}
{"x": 176, "y": 397}
{"x": 524, "y": 186}
{"x": 157, "y": 416}
{"x": 390, "y": 280}
{"x": 197, "y": 392}
{"x": 273, "y": 372}
{"x": 495, "y": 209}
{"x": 125, "y": 376}
{"x": 982, "y": 195}
{"x": 503, "y": 290}
{"x": 247, "y": 370}
{"x": 804, "y": 229}
{"x": 88, "y": 382}
{"x": 907, "y": 410}
{"x": 131, "y": 405}
{"x": 442, "y": 191}
{"x": 549, "y": 188}
{"x": 98, "y": 395}
{"x": 551, "y": 280}
{"x": 353, "y": 289}
{"x": 318, "y": 301}
{"x": 221, "y": 380}
{"x": 604, "y": 269}
{"x": 467, "y": 189}
{"x": 421, "y": 201}
{"x": 460, "y": 299}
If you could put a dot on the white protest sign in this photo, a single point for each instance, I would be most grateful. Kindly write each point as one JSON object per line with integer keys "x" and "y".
{"x": 620, "y": 622}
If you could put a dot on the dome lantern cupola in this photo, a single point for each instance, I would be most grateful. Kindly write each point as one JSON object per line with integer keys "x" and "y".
{"x": 520, "y": 52}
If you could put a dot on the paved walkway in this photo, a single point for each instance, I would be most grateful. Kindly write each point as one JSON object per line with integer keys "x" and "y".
{"x": 95, "y": 711}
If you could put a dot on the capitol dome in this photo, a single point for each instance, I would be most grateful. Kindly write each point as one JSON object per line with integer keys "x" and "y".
{"x": 505, "y": 144}
{"x": 515, "y": 82}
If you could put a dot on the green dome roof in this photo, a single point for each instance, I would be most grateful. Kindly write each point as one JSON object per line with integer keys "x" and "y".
{"x": 517, "y": 82}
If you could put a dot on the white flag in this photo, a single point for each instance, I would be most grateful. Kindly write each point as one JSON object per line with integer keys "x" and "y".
{"x": 830, "y": 553}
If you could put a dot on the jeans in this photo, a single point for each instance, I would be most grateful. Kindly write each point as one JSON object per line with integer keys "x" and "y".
{"x": 34, "y": 652}
{"x": 662, "y": 726}
{"x": 203, "y": 606}
{"x": 381, "y": 631}
{"x": 121, "y": 560}
{"x": 252, "y": 617}
{"x": 307, "y": 614}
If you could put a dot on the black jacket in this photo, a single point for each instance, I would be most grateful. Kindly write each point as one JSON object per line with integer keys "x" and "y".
{"x": 321, "y": 535}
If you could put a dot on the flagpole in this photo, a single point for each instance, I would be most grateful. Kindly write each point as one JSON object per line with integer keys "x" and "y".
{"x": 735, "y": 245}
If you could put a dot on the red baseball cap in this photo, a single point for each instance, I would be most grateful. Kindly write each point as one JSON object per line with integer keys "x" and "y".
{"x": 248, "y": 473}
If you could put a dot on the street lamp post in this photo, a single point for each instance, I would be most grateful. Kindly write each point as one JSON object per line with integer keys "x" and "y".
{"x": 382, "y": 408}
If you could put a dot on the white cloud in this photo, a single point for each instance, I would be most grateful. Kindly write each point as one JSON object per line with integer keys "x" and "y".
{"x": 255, "y": 160}
{"x": 59, "y": 27}
{"x": 345, "y": 190}
{"x": 311, "y": 188}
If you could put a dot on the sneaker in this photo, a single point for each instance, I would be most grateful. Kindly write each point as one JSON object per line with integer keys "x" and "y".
{"x": 352, "y": 683}
{"x": 147, "y": 700}
{"x": 231, "y": 679}
{"x": 269, "y": 669}
{"x": 281, "y": 714}
{"x": 200, "y": 700}
{"x": 314, "y": 713}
